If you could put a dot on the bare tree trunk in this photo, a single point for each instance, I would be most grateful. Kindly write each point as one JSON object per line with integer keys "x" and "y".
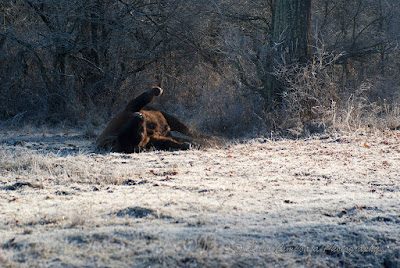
{"x": 292, "y": 28}
{"x": 291, "y": 36}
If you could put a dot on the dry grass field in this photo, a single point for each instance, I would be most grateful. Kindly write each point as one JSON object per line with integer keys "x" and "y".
{"x": 324, "y": 201}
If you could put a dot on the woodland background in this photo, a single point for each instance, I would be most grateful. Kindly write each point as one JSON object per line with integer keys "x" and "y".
{"x": 263, "y": 199}
{"x": 79, "y": 61}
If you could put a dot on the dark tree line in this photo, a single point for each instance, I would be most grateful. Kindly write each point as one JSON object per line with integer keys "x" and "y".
{"x": 226, "y": 65}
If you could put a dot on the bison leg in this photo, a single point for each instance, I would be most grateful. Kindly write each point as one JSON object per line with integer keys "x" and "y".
{"x": 139, "y": 102}
{"x": 195, "y": 138}
{"x": 167, "y": 143}
{"x": 177, "y": 125}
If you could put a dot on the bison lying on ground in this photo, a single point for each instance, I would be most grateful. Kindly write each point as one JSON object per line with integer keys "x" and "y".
{"x": 135, "y": 128}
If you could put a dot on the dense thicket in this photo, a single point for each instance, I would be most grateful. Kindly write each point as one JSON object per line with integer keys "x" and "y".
{"x": 81, "y": 60}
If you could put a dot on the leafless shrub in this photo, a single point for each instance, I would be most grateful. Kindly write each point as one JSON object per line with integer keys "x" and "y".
{"x": 313, "y": 99}
{"x": 310, "y": 94}
{"x": 371, "y": 105}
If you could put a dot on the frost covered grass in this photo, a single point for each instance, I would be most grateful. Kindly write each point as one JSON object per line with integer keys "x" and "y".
{"x": 323, "y": 201}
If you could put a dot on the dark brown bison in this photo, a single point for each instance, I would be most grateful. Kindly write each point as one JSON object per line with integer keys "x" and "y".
{"x": 136, "y": 128}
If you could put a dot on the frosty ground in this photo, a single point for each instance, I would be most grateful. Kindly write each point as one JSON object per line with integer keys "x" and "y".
{"x": 324, "y": 201}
